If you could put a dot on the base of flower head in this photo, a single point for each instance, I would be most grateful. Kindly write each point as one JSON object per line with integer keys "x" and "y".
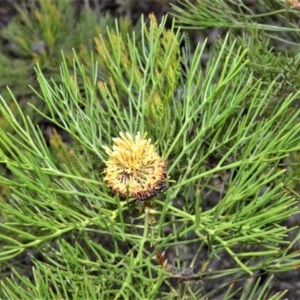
{"x": 143, "y": 194}
{"x": 147, "y": 195}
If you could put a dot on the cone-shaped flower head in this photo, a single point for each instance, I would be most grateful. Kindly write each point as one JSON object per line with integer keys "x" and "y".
{"x": 134, "y": 168}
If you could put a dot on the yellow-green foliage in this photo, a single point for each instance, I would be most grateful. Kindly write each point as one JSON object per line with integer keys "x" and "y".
{"x": 39, "y": 33}
{"x": 42, "y": 30}
{"x": 160, "y": 59}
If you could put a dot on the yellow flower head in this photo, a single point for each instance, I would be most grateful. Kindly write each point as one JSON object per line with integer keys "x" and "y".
{"x": 134, "y": 168}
